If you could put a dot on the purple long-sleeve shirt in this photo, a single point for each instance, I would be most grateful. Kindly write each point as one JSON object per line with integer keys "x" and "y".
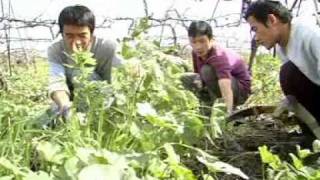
{"x": 227, "y": 64}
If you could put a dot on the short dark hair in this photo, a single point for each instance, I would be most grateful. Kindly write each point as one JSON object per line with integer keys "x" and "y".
{"x": 77, "y": 15}
{"x": 200, "y": 28}
{"x": 262, "y": 8}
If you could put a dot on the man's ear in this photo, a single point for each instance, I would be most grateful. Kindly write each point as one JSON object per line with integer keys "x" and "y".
{"x": 212, "y": 42}
{"x": 272, "y": 19}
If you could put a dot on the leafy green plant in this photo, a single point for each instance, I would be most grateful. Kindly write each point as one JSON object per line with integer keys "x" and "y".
{"x": 279, "y": 169}
{"x": 142, "y": 126}
{"x": 265, "y": 83}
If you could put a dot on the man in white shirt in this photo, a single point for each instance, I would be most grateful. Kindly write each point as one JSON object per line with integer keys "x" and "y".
{"x": 298, "y": 46}
{"x": 77, "y": 24}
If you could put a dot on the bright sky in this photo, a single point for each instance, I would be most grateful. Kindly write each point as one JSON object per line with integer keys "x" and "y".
{"x": 193, "y": 9}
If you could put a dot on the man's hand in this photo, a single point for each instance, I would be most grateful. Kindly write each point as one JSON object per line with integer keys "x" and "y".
{"x": 291, "y": 104}
{"x": 61, "y": 98}
{"x": 198, "y": 82}
{"x": 286, "y": 104}
{"x": 281, "y": 108}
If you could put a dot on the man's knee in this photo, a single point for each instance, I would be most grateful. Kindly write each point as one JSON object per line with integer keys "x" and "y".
{"x": 292, "y": 79}
{"x": 295, "y": 83}
{"x": 239, "y": 94}
{"x": 207, "y": 70}
{"x": 188, "y": 80}
{"x": 209, "y": 75}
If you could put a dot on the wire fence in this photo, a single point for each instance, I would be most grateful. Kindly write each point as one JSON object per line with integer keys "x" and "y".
{"x": 170, "y": 29}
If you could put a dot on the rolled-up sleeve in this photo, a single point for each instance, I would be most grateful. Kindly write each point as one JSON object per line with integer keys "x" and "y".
{"x": 111, "y": 48}
{"x": 57, "y": 76}
{"x": 117, "y": 61}
{"x": 314, "y": 47}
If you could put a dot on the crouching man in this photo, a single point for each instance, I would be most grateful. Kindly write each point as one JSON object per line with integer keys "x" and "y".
{"x": 218, "y": 72}
{"x": 77, "y": 24}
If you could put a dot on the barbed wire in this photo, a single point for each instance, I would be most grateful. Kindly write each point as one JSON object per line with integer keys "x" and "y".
{"x": 171, "y": 19}
{"x": 107, "y": 22}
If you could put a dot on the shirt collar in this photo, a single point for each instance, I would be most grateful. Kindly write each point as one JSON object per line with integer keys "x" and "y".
{"x": 211, "y": 52}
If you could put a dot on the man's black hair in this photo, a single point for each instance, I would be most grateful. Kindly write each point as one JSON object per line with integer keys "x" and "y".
{"x": 77, "y": 15}
{"x": 262, "y": 8}
{"x": 200, "y": 28}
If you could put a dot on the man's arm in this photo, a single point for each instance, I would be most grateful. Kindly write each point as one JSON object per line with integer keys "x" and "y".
{"x": 58, "y": 89}
{"x": 223, "y": 69}
{"x": 314, "y": 50}
{"x": 226, "y": 92}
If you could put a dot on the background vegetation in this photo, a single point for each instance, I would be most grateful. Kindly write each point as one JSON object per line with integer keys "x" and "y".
{"x": 143, "y": 126}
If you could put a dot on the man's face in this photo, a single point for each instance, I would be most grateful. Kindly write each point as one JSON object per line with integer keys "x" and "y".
{"x": 201, "y": 45}
{"x": 77, "y": 38}
{"x": 264, "y": 35}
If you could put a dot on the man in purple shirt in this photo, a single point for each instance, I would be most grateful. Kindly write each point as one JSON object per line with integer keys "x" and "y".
{"x": 219, "y": 71}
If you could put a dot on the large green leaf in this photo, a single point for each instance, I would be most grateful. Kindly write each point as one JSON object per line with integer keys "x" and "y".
{"x": 269, "y": 158}
{"x": 50, "y": 152}
{"x": 85, "y": 154}
{"x": 38, "y": 176}
{"x": 174, "y": 162}
{"x": 135, "y": 130}
{"x": 219, "y": 166}
{"x": 72, "y": 166}
{"x": 296, "y": 161}
{"x": 101, "y": 172}
{"x": 6, "y": 164}
{"x": 173, "y": 158}
{"x": 146, "y": 109}
{"x": 6, "y": 177}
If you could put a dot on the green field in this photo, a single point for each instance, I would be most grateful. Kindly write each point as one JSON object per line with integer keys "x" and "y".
{"x": 142, "y": 126}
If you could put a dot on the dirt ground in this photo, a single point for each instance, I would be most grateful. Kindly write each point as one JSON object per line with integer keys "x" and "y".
{"x": 239, "y": 144}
